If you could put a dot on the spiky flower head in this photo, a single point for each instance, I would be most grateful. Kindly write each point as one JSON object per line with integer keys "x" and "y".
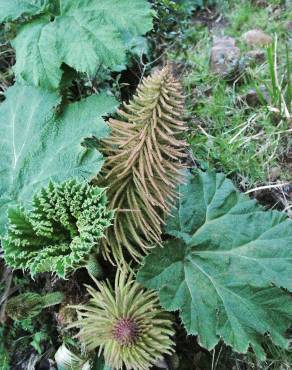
{"x": 143, "y": 167}
{"x": 126, "y": 323}
{"x": 65, "y": 225}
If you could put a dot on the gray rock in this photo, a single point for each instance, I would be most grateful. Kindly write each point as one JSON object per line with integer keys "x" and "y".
{"x": 254, "y": 97}
{"x": 250, "y": 98}
{"x": 257, "y": 38}
{"x": 225, "y": 56}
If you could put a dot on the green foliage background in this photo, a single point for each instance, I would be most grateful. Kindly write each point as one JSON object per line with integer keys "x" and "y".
{"x": 226, "y": 262}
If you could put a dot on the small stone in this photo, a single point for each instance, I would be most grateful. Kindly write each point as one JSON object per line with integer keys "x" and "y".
{"x": 257, "y": 38}
{"x": 225, "y": 56}
{"x": 277, "y": 13}
{"x": 256, "y": 56}
{"x": 250, "y": 98}
{"x": 254, "y": 98}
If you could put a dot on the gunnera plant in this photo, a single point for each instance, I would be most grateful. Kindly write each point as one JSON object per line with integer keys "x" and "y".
{"x": 144, "y": 161}
{"x": 126, "y": 323}
{"x": 30, "y": 304}
{"x": 65, "y": 225}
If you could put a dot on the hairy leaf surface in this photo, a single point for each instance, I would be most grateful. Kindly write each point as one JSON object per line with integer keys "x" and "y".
{"x": 13, "y": 9}
{"x": 36, "y": 147}
{"x": 225, "y": 267}
{"x": 83, "y": 34}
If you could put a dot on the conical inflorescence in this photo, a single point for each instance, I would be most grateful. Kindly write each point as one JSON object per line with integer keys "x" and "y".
{"x": 144, "y": 161}
{"x": 126, "y": 323}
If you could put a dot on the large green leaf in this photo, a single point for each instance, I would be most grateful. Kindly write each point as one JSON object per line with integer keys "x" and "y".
{"x": 225, "y": 267}
{"x": 82, "y": 33}
{"x": 35, "y": 147}
{"x": 37, "y": 63}
{"x": 13, "y": 9}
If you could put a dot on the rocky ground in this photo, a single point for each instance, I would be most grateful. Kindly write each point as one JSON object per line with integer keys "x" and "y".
{"x": 228, "y": 58}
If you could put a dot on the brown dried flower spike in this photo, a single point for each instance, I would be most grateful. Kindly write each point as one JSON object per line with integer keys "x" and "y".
{"x": 143, "y": 164}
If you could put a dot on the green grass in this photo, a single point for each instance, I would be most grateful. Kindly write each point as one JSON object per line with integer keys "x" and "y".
{"x": 240, "y": 141}
{"x": 244, "y": 16}
{"x": 248, "y": 143}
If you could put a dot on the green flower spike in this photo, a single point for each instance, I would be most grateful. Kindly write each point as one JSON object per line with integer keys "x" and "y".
{"x": 126, "y": 323}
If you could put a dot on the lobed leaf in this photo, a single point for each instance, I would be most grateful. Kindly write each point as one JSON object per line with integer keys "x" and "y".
{"x": 225, "y": 267}
{"x": 84, "y": 34}
{"x": 11, "y": 10}
{"x": 36, "y": 147}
